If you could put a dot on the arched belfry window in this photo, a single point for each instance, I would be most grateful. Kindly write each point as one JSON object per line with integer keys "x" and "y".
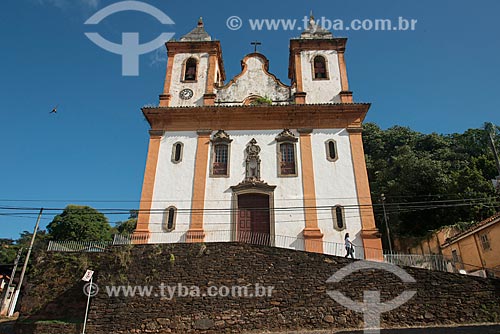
{"x": 169, "y": 217}
{"x": 331, "y": 150}
{"x": 221, "y": 148}
{"x": 177, "y": 150}
{"x": 287, "y": 155}
{"x": 190, "y": 69}
{"x": 338, "y": 218}
{"x": 319, "y": 67}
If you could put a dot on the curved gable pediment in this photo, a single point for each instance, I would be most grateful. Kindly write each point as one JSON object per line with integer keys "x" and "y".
{"x": 254, "y": 80}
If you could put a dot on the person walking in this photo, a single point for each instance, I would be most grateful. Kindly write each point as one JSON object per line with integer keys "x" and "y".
{"x": 349, "y": 247}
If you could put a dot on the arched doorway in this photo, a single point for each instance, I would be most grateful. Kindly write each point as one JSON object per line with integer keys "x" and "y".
{"x": 253, "y": 218}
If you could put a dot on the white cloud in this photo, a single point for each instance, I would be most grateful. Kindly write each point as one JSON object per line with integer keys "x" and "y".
{"x": 63, "y": 4}
{"x": 159, "y": 56}
{"x": 92, "y": 3}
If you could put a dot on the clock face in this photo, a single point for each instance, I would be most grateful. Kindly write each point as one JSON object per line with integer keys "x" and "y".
{"x": 186, "y": 94}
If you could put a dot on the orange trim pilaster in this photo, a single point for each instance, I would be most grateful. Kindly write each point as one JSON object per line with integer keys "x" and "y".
{"x": 345, "y": 97}
{"x": 212, "y": 59}
{"x": 298, "y": 72}
{"x": 300, "y": 96}
{"x": 196, "y": 232}
{"x": 343, "y": 72}
{"x": 209, "y": 96}
{"x": 369, "y": 232}
{"x": 165, "y": 100}
{"x": 165, "y": 97}
{"x": 142, "y": 229}
{"x": 313, "y": 237}
{"x": 209, "y": 99}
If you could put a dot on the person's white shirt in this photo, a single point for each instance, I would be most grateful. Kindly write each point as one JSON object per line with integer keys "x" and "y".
{"x": 347, "y": 243}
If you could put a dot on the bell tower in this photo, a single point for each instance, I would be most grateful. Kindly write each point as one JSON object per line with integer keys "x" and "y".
{"x": 194, "y": 69}
{"x": 317, "y": 68}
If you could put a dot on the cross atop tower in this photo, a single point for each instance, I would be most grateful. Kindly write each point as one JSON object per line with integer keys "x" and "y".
{"x": 255, "y": 44}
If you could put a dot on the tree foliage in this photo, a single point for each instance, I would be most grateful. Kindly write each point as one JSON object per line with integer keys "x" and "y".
{"x": 7, "y": 251}
{"x": 126, "y": 227}
{"x": 80, "y": 223}
{"x": 408, "y": 166}
{"x": 10, "y": 247}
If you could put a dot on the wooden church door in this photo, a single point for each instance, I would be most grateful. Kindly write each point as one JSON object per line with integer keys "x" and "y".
{"x": 253, "y": 218}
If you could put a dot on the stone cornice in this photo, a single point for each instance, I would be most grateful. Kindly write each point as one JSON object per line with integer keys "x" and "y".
{"x": 156, "y": 133}
{"x": 246, "y": 185}
{"x": 304, "y": 116}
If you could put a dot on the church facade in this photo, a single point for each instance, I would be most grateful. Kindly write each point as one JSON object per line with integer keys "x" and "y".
{"x": 255, "y": 158}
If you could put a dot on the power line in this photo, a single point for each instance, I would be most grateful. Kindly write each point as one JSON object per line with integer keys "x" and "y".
{"x": 374, "y": 197}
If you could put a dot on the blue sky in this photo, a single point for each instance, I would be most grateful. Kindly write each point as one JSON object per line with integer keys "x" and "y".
{"x": 440, "y": 78}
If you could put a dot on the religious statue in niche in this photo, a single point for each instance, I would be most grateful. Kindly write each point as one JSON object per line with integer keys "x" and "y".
{"x": 252, "y": 173}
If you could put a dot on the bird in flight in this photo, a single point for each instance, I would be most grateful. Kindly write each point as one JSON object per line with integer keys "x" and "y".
{"x": 54, "y": 111}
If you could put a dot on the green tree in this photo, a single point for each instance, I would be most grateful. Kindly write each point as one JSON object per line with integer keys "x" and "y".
{"x": 126, "y": 227}
{"x": 7, "y": 251}
{"x": 80, "y": 223}
{"x": 10, "y": 247}
{"x": 408, "y": 167}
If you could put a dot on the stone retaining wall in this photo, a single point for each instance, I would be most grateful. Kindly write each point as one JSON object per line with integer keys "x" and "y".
{"x": 298, "y": 300}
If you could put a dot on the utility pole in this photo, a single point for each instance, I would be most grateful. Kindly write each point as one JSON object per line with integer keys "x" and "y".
{"x": 11, "y": 280}
{"x": 490, "y": 129}
{"x": 18, "y": 287}
{"x": 382, "y": 198}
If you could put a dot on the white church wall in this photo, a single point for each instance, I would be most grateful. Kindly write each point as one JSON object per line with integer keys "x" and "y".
{"x": 322, "y": 90}
{"x": 197, "y": 87}
{"x": 174, "y": 183}
{"x": 335, "y": 185}
{"x": 288, "y": 190}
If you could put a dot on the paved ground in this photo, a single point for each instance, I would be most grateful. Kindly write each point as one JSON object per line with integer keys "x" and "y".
{"x": 476, "y": 329}
{"x": 6, "y": 327}
{"x": 486, "y": 329}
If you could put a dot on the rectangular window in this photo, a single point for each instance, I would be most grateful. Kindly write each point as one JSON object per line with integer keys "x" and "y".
{"x": 454, "y": 255}
{"x": 485, "y": 242}
{"x": 287, "y": 159}
{"x": 220, "y": 159}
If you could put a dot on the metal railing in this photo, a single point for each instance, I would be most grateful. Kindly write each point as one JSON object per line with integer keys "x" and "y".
{"x": 431, "y": 262}
{"x": 440, "y": 263}
{"x": 78, "y": 246}
{"x": 264, "y": 239}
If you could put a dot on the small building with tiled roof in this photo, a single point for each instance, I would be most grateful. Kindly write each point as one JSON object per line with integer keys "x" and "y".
{"x": 476, "y": 249}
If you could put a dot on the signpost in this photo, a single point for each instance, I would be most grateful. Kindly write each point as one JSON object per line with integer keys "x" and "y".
{"x": 88, "y": 277}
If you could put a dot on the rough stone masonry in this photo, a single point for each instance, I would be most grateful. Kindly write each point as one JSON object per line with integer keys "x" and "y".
{"x": 298, "y": 301}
